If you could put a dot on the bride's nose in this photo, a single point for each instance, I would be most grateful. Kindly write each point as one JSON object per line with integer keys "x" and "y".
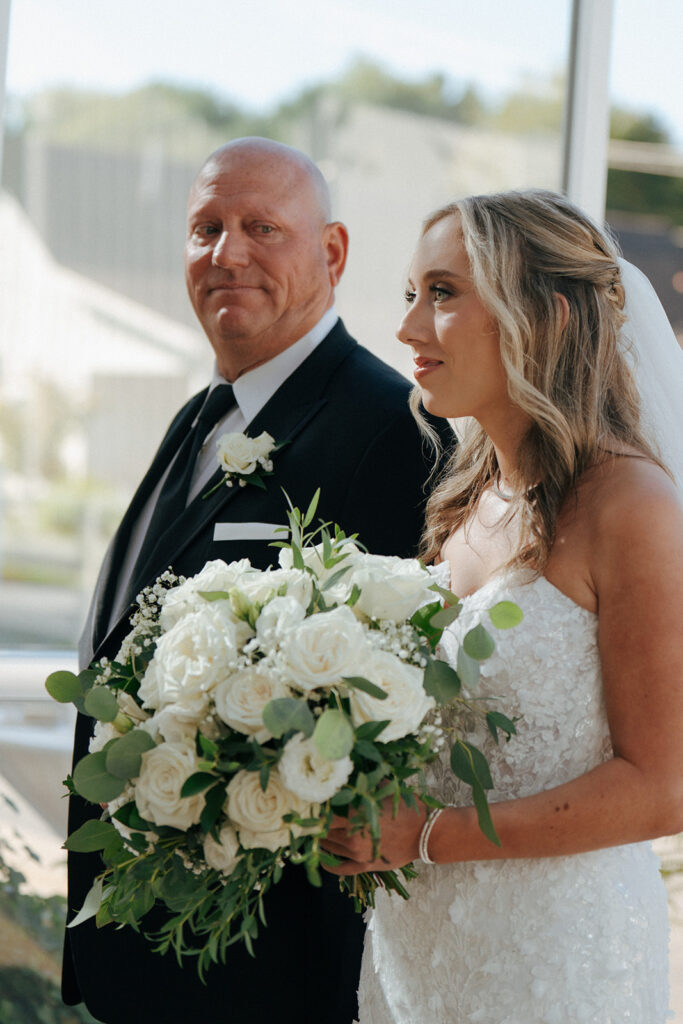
{"x": 410, "y": 331}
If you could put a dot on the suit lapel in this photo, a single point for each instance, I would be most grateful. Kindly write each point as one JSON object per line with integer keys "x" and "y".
{"x": 285, "y": 415}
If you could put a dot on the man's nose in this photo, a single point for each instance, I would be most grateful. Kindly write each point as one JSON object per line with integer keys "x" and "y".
{"x": 230, "y": 250}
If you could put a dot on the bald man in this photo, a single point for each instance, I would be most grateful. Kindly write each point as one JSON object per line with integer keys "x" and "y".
{"x": 262, "y": 259}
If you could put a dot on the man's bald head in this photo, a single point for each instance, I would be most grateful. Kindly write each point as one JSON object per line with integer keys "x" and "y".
{"x": 266, "y": 154}
{"x": 262, "y": 258}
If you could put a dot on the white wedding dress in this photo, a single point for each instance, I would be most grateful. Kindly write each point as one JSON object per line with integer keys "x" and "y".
{"x": 578, "y": 939}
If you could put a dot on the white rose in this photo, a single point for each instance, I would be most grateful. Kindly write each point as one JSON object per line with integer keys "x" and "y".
{"x": 406, "y": 703}
{"x": 313, "y": 558}
{"x": 324, "y": 648}
{"x": 241, "y": 698}
{"x": 278, "y": 616}
{"x": 259, "y": 587}
{"x": 257, "y": 814}
{"x": 308, "y": 774}
{"x": 224, "y": 853}
{"x": 216, "y": 575}
{"x": 167, "y": 725}
{"x": 190, "y": 660}
{"x": 392, "y": 589}
{"x": 163, "y": 773}
{"x": 240, "y": 454}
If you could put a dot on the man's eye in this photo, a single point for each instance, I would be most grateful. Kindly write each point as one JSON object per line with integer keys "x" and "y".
{"x": 264, "y": 229}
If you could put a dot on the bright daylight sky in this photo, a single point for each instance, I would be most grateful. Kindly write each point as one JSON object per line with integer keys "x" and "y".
{"x": 257, "y": 51}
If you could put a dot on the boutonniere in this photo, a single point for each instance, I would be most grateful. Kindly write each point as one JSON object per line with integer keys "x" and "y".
{"x": 244, "y": 459}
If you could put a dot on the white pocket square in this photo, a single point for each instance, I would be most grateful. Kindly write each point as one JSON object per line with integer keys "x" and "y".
{"x": 249, "y": 531}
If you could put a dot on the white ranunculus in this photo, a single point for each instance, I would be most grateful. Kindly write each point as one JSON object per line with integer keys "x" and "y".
{"x": 216, "y": 575}
{"x": 308, "y": 774}
{"x": 163, "y": 773}
{"x": 241, "y": 698}
{"x": 406, "y": 703}
{"x": 277, "y": 617}
{"x": 324, "y": 648}
{"x": 257, "y": 814}
{"x": 224, "y": 853}
{"x": 392, "y": 589}
{"x": 240, "y": 454}
{"x": 190, "y": 660}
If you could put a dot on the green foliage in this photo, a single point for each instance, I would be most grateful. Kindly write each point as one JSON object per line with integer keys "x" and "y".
{"x": 333, "y": 734}
{"x": 287, "y": 714}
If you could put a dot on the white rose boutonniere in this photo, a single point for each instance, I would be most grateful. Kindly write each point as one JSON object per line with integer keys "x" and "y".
{"x": 244, "y": 459}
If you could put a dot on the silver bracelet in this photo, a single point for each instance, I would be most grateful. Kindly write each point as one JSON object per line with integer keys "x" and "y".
{"x": 423, "y": 844}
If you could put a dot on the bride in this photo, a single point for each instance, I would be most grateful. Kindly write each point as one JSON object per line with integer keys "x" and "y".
{"x": 556, "y": 500}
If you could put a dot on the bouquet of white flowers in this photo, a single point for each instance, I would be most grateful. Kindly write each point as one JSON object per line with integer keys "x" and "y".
{"x": 246, "y": 708}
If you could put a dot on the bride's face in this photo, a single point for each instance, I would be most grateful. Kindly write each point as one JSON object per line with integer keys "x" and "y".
{"x": 454, "y": 339}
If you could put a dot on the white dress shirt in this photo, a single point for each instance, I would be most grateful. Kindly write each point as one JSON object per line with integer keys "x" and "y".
{"x": 252, "y": 391}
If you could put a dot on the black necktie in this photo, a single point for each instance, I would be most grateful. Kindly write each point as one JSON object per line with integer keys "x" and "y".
{"x": 173, "y": 495}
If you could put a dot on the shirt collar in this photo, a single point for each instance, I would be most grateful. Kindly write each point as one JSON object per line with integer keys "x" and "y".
{"x": 255, "y": 388}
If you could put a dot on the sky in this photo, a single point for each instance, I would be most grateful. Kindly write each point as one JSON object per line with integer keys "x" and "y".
{"x": 257, "y": 52}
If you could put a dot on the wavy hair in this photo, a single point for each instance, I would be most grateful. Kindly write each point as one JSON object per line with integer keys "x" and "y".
{"x": 572, "y": 379}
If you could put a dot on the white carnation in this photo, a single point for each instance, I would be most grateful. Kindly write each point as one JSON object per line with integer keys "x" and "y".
{"x": 224, "y": 853}
{"x": 164, "y": 771}
{"x": 241, "y": 698}
{"x": 392, "y": 589}
{"x": 308, "y": 774}
{"x": 257, "y": 814}
{"x": 324, "y": 648}
{"x": 406, "y": 703}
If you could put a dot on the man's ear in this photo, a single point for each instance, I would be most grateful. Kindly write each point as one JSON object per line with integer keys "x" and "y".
{"x": 336, "y": 243}
{"x": 563, "y": 305}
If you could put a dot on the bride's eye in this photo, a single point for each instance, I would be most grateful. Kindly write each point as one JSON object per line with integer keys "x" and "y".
{"x": 440, "y": 294}
{"x": 409, "y": 296}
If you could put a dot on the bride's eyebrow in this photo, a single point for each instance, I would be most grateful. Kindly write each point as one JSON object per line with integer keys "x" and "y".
{"x": 441, "y": 274}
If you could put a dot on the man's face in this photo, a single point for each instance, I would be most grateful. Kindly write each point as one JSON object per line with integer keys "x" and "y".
{"x": 260, "y": 262}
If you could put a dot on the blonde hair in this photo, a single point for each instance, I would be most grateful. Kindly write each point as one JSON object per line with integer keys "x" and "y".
{"x": 570, "y": 378}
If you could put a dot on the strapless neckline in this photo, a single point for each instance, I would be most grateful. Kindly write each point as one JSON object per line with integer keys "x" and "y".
{"x": 511, "y": 579}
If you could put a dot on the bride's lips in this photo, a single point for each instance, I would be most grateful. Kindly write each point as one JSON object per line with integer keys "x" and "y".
{"x": 424, "y": 366}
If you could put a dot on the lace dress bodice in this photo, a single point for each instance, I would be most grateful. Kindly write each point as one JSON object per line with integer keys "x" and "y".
{"x": 579, "y": 939}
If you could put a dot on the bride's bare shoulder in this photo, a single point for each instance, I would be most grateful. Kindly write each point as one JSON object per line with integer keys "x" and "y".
{"x": 631, "y": 509}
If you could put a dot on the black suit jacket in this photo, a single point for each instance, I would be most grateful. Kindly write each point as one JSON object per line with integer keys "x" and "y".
{"x": 345, "y": 416}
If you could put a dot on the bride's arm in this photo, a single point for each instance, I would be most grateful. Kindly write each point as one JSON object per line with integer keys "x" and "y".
{"x": 636, "y": 565}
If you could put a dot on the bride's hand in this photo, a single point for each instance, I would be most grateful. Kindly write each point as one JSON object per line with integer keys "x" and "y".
{"x": 398, "y": 844}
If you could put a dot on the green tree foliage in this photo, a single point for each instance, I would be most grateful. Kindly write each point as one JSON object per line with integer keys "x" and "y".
{"x": 641, "y": 192}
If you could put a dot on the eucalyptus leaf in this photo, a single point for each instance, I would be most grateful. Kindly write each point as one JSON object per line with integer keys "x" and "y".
{"x": 468, "y": 669}
{"x": 63, "y": 687}
{"x": 361, "y": 683}
{"x": 94, "y": 782}
{"x": 484, "y": 814}
{"x": 93, "y": 835}
{"x": 445, "y": 616}
{"x": 124, "y": 756}
{"x": 333, "y": 735}
{"x": 286, "y": 714}
{"x": 441, "y": 681}
{"x": 101, "y": 704}
{"x": 470, "y": 765}
{"x": 506, "y": 614}
{"x": 479, "y": 643}
{"x": 91, "y": 904}
{"x": 497, "y": 720}
{"x": 448, "y": 596}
